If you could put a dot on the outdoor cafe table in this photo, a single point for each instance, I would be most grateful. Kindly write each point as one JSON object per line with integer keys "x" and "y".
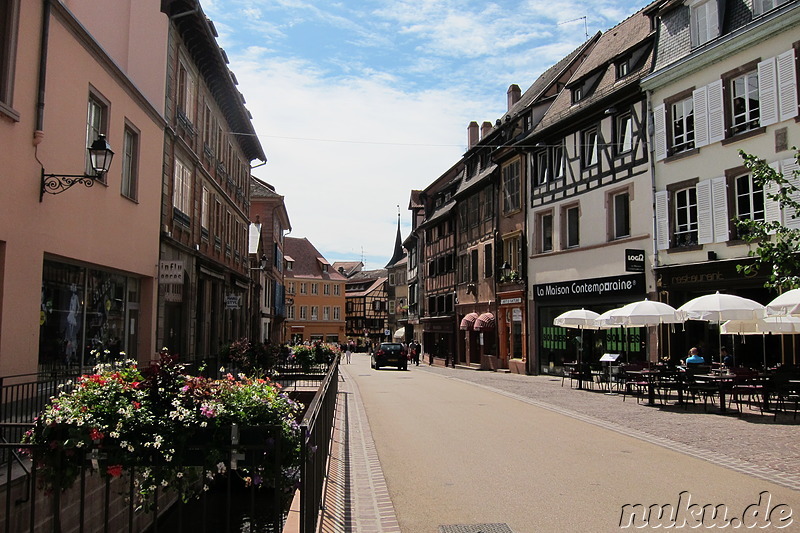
{"x": 721, "y": 380}
{"x": 649, "y": 376}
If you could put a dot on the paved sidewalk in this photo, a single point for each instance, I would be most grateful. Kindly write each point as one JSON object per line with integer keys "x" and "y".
{"x": 357, "y": 499}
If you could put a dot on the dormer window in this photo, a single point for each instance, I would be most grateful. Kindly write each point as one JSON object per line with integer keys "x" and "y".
{"x": 623, "y": 68}
{"x": 290, "y": 265}
{"x": 704, "y": 17}
{"x": 324, "y": 268}
{"x": 577, "y": 94}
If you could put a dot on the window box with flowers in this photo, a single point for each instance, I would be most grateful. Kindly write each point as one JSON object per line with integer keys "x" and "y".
{"x": 167, "y": 429}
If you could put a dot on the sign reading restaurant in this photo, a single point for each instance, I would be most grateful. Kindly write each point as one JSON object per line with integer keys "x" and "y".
{"x": 632, "y": 284}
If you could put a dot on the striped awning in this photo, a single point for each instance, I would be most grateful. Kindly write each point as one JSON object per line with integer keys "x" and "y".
{"x": 485, "y": 322}
{"x": 468, "y": 321}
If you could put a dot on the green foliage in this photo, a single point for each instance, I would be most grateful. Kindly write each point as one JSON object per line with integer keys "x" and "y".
{"x": 252, "y": 358}
{"x": 777, "y": 246}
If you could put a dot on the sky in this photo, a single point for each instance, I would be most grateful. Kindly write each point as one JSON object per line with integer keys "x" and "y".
{"x": 357, "y": 103}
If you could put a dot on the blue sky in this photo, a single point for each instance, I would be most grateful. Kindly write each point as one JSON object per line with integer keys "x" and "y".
{"x": 357, "y": 103}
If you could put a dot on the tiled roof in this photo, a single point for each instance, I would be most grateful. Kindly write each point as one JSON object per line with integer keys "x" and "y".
{"x": 349, "y": 267}
{"x": 307, "y": 261}
{"x": 259, "y": 189}
{"x": 376, "y": 284}
{"x": 415, "y": 202}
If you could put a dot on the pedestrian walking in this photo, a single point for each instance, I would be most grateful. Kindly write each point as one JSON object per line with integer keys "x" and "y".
{"x": 347, "y": 354}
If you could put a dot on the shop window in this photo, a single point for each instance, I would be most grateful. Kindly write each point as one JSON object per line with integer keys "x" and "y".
{"x": 86, "y": 315}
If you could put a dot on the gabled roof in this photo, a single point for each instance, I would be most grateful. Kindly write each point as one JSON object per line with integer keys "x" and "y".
{"x": 375, "y": 285}
{"x": 260, "y": 189}
{"x": 625, "y": 37}
{"x": 307, "y": 261}
{"x": 349, "y": 268}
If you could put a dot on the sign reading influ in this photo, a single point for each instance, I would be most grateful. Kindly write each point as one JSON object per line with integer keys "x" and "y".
{"x": 633, "y": 284}
{"x": 170, "y": 272}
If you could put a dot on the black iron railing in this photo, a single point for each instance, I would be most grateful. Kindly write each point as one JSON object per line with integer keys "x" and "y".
{"x": 317, "y": 430}
{"x": 99, "y": 504}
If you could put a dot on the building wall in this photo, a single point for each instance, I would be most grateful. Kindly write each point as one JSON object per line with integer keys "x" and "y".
{"x": 93, "y": 227}
{"x": 308, "y": 329}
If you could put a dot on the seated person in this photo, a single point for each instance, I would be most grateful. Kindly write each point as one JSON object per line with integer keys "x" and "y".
{"x": 694, "y": 357}
{"x": 727, "y": 359}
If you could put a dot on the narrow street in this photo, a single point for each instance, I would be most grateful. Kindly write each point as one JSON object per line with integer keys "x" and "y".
{"x": 456, "y": 454}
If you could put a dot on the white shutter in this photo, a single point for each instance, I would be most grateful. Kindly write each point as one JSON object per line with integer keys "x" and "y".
{"x": 767, "y": 92}
{"x": 791, "y": 172}
{"x": 719, "y": 195}
{"x": 787, "y": 85}
{"x": 716, "y": 115}
{"x": 662, "y": 220}
{"x": 700, "y": 117}
{"x": 660, "y": 132}
{"x": 705, "y": 221}
{"x": 772, "y": 209}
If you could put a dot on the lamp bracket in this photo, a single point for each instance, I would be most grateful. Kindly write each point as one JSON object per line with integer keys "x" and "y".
{"x": 58, "y": 183}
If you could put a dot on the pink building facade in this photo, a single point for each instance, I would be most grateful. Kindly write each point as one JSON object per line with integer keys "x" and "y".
{"x": 78, "y": 270}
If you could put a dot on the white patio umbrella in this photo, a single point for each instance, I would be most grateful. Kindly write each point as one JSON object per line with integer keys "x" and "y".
{"x": 646, "y": 313}
{"x": 787, "y": 303}
{"x": 720, "y": 307}
{"x": 771, "y": 325}
{"x": 577, "y": 319}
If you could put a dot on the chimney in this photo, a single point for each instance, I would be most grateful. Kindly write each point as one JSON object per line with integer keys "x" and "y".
{"x": 486, "y": 129}
{"x": 472, "y": 134}
{"x": 514, "y": 94}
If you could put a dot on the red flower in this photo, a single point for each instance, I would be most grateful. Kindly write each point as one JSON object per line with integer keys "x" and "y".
{"x": 136, "y": 405}
{"x": 114, "y": 470}
{"x": 95, "y": 434}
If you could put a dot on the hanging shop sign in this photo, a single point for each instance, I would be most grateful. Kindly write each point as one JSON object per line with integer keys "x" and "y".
{"x": 233, "y": 301}
{"x": 170, "y": 272}
{"x": 634, "y": 260}
{"x": 628, "y": 285}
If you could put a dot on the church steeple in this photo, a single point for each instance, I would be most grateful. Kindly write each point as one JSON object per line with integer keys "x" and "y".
{"x": 399, "y": 253}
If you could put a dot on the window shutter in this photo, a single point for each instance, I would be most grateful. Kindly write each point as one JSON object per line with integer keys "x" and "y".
{"x": 791, "y": 172}
{"x": 768, "y": 92}
{"x": 772, "y": 209}
{"x": 660, "y": 135}
{"x": 662, "y": 220}
{"x": 705, "y": 227}
{"x": 716, "y": 115}
{"x": 719, "y": 202}
{"x": 787, "y": 85}
{"x": 699, "y": 97}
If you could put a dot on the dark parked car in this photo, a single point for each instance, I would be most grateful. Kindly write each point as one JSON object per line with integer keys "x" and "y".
{"x": 390, "y": 354}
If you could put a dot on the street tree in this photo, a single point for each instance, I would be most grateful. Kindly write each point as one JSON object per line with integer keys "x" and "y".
{"x": 777, "y": 246}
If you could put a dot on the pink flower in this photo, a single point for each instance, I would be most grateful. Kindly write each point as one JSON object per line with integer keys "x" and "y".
{"x": 207, "y": 411}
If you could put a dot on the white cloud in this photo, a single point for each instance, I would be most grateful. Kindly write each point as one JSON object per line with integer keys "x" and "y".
{"x": 346, "y": 153}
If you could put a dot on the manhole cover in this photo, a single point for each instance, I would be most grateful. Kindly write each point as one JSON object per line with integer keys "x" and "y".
{"x": 476, "y": 528}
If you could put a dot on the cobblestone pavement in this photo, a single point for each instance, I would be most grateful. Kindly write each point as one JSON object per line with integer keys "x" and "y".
{"x": 357, "y": 498}
{"x": 751, "y": 442}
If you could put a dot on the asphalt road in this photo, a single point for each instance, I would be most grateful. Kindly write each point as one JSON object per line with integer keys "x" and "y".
{"x": 457, "y": 454}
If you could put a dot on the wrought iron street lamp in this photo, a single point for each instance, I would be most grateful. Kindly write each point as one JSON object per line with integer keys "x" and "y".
{"x": 100, "y": 156}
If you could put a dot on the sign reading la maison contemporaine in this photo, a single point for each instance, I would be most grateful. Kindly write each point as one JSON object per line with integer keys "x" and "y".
{"x": 631, "y": 284}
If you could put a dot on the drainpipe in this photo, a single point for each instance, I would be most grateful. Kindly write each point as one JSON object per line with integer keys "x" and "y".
{"x": 43, "y": 45}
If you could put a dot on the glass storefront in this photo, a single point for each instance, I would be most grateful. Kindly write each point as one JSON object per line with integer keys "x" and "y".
{"x": 86, "y": 312}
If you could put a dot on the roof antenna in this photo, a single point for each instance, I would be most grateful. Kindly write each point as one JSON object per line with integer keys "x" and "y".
{"x": 585, "y": 25}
